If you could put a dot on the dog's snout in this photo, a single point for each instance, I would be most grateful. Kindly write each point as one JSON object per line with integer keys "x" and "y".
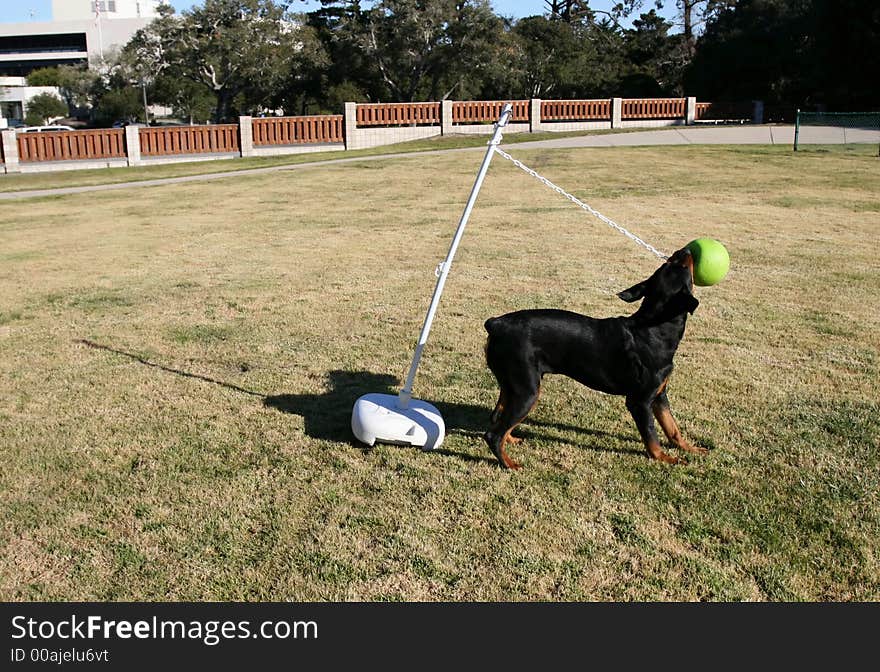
{"x": 682, "y": 257}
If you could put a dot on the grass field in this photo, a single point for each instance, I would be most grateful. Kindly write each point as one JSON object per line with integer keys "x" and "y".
{"x": 179, "y": 365}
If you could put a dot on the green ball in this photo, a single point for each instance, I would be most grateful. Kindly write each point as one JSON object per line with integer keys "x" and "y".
{"x": 711, "y": 261}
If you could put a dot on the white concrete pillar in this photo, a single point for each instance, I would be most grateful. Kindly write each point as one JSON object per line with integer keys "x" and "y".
{"x": 690, "y": 111}
{"x": 535, "y": 115}
{"x": 445, "y": 117}
{"x": 616, "y": 112}
{"x": 246, "y": 135}
{"x": 133, "y": 145}
{"x": 10, "y": 152}
{"x": 349, "y": 126}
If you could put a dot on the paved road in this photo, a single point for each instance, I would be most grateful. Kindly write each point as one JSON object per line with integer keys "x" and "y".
{"x": 679, "y": 135}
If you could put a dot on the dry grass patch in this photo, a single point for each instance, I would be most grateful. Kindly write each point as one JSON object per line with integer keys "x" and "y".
{"x": 180, "y": 362}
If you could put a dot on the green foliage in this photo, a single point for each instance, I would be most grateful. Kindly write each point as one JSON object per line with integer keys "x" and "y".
{"x": 122, "y": 103}
{"x": 190, "y": 100}
{"x": 800, "y": 52}
{"x": 424, "y": 49}
{"x": 77, "y": 84}
{"x": 44, "y": 107}
{"x": 553, "y": 57}
{"x": 44, "y": 77}
{"x": 227, "y": 57}
{"x": 241, "y": 50}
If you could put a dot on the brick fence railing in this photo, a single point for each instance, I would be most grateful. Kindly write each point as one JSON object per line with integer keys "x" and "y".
{"x": 361, "y": 126}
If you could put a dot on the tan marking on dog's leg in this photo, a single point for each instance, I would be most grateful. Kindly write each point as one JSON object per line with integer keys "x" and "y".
{"x": 505, "y": 458}
{"x": 499, "y": 408}
{"x": 657, "y": 453}
{"x": 662, "y": 387}
{"x": 671, "y": 430}
{"x": 510, "y": 464}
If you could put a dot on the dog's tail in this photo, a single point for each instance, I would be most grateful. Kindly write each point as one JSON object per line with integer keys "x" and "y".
{"x": 490, "y": 326}
{"x": 495, "y": 330}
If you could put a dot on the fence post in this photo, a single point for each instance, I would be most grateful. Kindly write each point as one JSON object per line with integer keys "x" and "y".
{"x": 535, "y": 115}
{"x": 246, "y": 135}
{"x": 10, "y": 152}
{"x": 133, "y": 145}
{"x": 445, "y": 117}
{"x": 349, "y": 125}
{"x": 690, "y": 111}
{"x": 758, "y": 112}
{"x": 616, "y": 112}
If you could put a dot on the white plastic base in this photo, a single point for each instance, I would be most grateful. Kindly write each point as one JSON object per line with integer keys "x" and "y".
{"x": 378, "y": 417}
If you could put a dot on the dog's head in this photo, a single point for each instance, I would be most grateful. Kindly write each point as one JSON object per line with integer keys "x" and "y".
{"x": 668, "y": 292}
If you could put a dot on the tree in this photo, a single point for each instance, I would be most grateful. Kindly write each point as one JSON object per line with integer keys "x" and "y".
{"x": 44, "y": 77}
{"x": 188, "y": 99}
{"x": 553, "y": 56}
{"x": 426, "y": 49}
{"x": 43, "y": 108}
{"x": 349, "y": 74}
{"x": 565, "y": 10}
{"x": 303, "y": 81}
{"x": 240, "y": 49}
{"x": 799, "y": 53}
{"x": 655, "y": 58}
{"x": 695, "y": 13}
{"x": 575, "y": 11}
{"x": 123, "y": 103}
{"x": 77, "y": 84}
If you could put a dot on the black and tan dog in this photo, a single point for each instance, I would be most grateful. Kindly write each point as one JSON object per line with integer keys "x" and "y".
{"x": 629, "y": 356}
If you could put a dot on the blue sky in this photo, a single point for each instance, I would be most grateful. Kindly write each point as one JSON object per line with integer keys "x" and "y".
{"x": 15, "y": 11}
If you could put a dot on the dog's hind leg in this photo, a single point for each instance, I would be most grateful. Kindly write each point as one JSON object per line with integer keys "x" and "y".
{"x": 640, "y": 410}
{"x": 496, "y": 415}
{"x": 517, "y": 406}
{"x": 493, "y": 418}
{"x": 660, "y": 407}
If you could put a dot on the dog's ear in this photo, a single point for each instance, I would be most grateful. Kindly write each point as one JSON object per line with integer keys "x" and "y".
{"x": 685, "y": 301}
{"x": 634, "y": 293}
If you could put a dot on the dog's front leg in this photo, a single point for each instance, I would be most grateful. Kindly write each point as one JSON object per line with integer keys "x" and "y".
{"x": 640, "y": 409}
{"x": 660, "y": 407}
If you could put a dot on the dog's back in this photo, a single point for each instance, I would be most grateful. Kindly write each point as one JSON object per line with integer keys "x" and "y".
{"x": 595, "y": 352}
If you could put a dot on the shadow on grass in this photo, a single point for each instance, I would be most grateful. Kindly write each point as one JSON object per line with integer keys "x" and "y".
{"x": 327, "y": 416}
{"x": 167, "y": 369}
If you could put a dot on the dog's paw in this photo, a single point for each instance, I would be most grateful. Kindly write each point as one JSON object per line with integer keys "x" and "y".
{"x": 666, "y": 458}
{"x": 697, "y": 450}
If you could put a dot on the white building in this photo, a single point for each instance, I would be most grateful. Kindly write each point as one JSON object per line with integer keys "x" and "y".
{"x": 74, "y": 10}
{"x": 81, "y": 31}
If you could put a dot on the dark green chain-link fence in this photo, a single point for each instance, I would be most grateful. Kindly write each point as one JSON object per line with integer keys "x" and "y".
{"x": 834, "y": 128}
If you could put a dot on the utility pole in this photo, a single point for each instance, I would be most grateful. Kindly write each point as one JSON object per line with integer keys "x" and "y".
{"x": 146, "y": 108}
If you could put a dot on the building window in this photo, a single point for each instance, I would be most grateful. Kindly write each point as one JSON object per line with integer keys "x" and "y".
{"x": 11, "y": 110}
{"x": 105, "y": 6}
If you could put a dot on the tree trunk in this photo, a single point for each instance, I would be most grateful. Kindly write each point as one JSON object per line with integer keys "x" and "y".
{"x": 687, "y": 16}
{"x": 221, "y": 112}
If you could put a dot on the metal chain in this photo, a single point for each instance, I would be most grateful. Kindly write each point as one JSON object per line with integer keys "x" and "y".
{"x": 576, "y": 201}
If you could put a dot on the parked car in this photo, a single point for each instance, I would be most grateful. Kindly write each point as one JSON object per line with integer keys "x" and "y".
{"x": 43, "y": 129}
